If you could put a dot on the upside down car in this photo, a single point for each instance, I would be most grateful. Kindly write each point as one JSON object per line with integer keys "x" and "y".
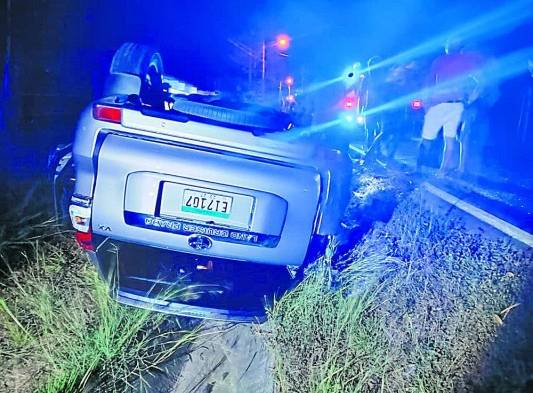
{"x": 170, "y": 182}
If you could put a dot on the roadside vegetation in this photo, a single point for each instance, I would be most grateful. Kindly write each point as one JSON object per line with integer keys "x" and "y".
{"x": 420, "y": 305}
{"x": 59, "y": 329}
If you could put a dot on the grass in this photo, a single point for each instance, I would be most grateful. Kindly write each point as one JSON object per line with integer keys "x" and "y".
{"x": 24, "y": 217}
{"x": 326, "y": 341}
{"x": 418, "y": 307}
{"x": 59, "y": 329}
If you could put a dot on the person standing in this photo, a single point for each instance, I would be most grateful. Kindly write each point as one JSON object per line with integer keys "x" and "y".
{"x": 476, "y": 131}
{"x": 452, "y": 82}
{"x": 525, "y": 119}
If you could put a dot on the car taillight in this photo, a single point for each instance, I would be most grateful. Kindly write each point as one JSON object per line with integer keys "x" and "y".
{"x": 107, "y": 113}
{"x": 350, "y": 101}
{"x": 417, "y": 104}
{"x": 85, "y": 240}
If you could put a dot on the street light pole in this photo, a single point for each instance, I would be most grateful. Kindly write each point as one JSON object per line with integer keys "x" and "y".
{"x": 263, "y": 60}
{"x": 263, "y": 67}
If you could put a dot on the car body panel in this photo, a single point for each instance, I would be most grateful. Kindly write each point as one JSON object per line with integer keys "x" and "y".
{"x": 334, "y": 167}
{"x": 286, "y": 198}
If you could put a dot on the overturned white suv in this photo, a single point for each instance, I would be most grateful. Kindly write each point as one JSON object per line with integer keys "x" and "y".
{"x": 171, "y": 183}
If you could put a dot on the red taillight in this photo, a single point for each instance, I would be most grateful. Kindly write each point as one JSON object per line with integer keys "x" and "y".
{"x": 350, "y": 101}
{"x": 416, "y": 104}
{"x": 107, "y": 113}
{"x": 85, "y": 240}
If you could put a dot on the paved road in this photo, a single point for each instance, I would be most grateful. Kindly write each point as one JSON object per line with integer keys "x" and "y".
{"x": 492, "y": 216}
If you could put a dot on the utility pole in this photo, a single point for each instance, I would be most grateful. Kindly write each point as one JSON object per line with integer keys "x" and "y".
{"x": 259, "y": 53}
{"x": 263, "y": 60}
{"x": 251, "y": 56}
{"x": 263, "y": 67}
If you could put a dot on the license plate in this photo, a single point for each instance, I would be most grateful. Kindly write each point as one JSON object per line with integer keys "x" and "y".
{"x": 206, "y": 204}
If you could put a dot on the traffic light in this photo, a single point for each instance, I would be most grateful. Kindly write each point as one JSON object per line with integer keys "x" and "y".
{"x": 417, "y": 104}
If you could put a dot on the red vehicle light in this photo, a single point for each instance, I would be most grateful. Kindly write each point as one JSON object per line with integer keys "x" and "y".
{"x": 85, "y": 240}
{"x": 349, "y": 102}
{"x": 107, "y": 113}
{"x": 417, "y": 104}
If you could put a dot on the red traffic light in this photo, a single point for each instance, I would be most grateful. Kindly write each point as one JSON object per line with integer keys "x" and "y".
{"x": 283, "y": 41}
{"x": 417, "y": 104}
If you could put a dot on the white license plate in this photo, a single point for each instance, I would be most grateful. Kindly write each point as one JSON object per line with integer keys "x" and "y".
{"x": 206, "y": 204}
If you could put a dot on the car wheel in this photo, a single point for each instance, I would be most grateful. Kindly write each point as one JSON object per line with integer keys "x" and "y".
{"x": 135, "y": 69}
{"x": 135, "y": 59}
{"x": 316, "y": 250}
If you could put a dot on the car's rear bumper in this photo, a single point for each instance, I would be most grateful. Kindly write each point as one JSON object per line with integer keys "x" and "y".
{"x": 172, "y": 283}
{"x": 185, "y": 310}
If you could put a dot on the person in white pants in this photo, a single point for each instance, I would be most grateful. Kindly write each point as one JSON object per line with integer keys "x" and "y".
{"x": 446, "y": 115}
{"x": 452, "y": 82}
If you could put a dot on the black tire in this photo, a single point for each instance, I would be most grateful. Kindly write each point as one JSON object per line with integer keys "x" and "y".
{"x": 67, "y": 189}
{"x": 146, "y": 63}
{"x": 317, "y": 249}
{"x": 135, "y": 59}
{"x": 63, "y": 188}
{"x": 136, "y": 69}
